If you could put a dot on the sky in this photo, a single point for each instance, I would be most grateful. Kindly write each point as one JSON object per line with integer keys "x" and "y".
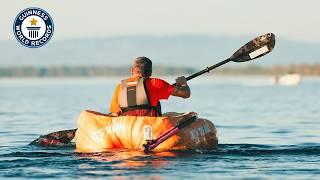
{"x": 291, "y": 19}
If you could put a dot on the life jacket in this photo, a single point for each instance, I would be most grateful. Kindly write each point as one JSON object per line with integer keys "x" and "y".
{"x": 134, "y": 99}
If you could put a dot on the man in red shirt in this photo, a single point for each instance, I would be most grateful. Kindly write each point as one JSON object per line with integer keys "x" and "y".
{"x": 139, "y": 95}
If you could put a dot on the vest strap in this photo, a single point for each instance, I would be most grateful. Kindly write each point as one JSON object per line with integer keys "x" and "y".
{"x": 132, "y": 108}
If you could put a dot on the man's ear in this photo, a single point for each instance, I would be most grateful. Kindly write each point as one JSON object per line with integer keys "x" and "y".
{"x": 131, "y": 71}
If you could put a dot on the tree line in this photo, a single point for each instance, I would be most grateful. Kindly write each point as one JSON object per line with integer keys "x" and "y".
{"x": 100, "y": 70}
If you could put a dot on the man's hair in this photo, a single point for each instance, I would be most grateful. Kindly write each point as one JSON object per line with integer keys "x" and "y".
{"x": 143, "y": 66}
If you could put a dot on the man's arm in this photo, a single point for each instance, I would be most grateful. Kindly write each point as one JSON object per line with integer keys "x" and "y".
{"x": 114, "y": 105}
{"x": 181, "y": 89}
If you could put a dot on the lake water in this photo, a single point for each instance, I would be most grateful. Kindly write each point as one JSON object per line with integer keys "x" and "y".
{"x": 264, "y": 131}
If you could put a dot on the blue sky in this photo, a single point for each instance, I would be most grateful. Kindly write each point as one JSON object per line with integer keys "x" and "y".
{"x": 292, "y": 19}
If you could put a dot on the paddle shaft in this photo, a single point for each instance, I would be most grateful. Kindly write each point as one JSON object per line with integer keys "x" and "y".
{"x": 206, "y": 70}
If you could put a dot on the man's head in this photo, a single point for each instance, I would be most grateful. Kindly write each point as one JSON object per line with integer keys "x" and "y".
{"x": 142, "y": 66}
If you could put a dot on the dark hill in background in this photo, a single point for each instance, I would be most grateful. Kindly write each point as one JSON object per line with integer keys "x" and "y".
{"x": 186, "y": 51}
{"x": 106, "y": 71}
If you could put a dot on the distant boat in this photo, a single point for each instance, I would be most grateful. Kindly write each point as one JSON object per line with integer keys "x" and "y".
{"x": 292, "y": 79}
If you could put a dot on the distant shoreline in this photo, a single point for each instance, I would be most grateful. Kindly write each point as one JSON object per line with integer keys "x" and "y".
{"x": 123, "y": 71}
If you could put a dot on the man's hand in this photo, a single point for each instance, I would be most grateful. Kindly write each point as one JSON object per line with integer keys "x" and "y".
{"x": 181, "y": 89}
{"x": 181, "y": 81}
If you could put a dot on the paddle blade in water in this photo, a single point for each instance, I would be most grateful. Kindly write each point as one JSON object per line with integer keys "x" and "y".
{"x": 59, "y": 138}
{"x": 256, "y": 48}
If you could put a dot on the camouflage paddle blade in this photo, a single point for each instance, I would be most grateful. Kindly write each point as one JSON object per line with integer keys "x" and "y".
{"x": 256, "y": 48}
{"x": 59, "y": 138}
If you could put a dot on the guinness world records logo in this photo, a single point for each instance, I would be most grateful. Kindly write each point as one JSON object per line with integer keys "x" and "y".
{"x": 33, "y": 27}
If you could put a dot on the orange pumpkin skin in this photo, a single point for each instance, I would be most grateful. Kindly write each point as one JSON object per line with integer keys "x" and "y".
{"x": 99, "y": 132}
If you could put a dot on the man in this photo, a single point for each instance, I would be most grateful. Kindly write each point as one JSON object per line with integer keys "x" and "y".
{"x": 139, "y": 95}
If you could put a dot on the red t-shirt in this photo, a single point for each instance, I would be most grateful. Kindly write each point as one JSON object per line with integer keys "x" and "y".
{"x": 157, "y": 89}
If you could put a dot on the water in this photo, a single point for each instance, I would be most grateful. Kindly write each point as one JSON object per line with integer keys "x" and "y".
{"x": 264, "y": 131}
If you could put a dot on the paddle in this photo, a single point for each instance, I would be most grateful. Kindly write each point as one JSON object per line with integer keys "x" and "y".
{"x": 254, "y": 49}
{"x": 59, "y": 138}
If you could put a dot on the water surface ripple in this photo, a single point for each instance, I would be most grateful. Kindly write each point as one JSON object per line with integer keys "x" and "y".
{"x": 264, "y": 131}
